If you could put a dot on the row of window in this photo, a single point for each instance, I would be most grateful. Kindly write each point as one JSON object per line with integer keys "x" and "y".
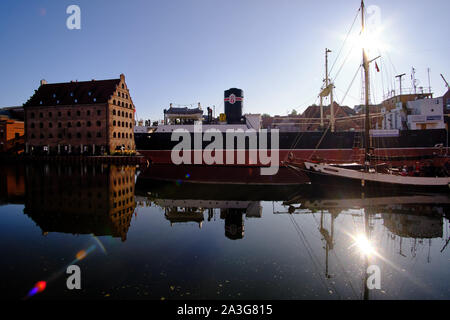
{"x": 123, "y": 104}
{"x": 69, "y": 113}
{"x": 123, "y": 191}
{"x": 123, "y": 203}
{"x": 123, "y": 135}
{"x": 124, "y": 114}
{"x": 68, "y": 124}
{"x": 122, "y": 124}
{"x": 121, "y": 94}
{"x": 68, "y": 135}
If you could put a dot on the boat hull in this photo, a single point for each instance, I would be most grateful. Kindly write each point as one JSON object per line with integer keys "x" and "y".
{"x": 326, "y": 175}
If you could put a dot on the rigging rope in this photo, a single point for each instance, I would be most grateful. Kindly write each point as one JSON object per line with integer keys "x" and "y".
{"x": 342, "y": 47}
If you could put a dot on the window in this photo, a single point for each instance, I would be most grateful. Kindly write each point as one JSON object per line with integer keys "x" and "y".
{"x": 41, "y": 115}
{"x": 57, "y": 101}
{"x": 114, "y": 112}
{"x": 126, "y": 135}
{"x": 114, "y": 134}
{"x": 123, "y": 104}
{"x": 54, "y": 95}
{"x": 123, "y": 135}
{"x": 78, "y": 113}
{"x": 50, "y": 125}
{"x": 78, "y": 124}
{"x": 88, "y": 112}
{"x": 89, "y": 93}
{"x": 32, "y": 125}
{"x": 99, "y": 134}
{"x": 95, "y": 99}
{"x": 71, "y": 94}
{"x": 41, "y": 125}
{"x": 69, "y": 124}
{"x": 89, "y": 135}
{"x": 123, "y": 114}
{"x": 126, "y": 124}
{"x": 50, "y": 114}
{"x": 79, "y": 135}
{"x": 59, "y": 135}
{"x": 114, "y": 102}
{"x": 59, "y": 113}
{"x": 123, "y": 86}
{"x": 68, "y": 113}
{"x": 32, "y": 115}
{"x": 59, "y": 125}
{"x": 50, "y": 136}
{"x": 88, "y": 123}
{"x": 126, "y": 96}
{"x": 114, "y": 122}
{"x": 33, "y": 136}
{"x": 99, "y": 112}
{"x": 99, "y": 124}
{"x": 126, "y": 105}
{"x": 118, "y": 93}
{"x": 41, "y": 136}
{"x": 40, "y": 102}
{"x": 69, "y": 135}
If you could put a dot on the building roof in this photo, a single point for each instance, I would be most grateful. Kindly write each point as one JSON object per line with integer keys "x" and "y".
{"x": 183, "y": 111}
{"x": 74, "y": 92}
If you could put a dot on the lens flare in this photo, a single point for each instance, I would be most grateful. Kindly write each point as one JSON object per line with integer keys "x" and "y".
{"x": 81, "y": 255}
{"x": 364, "y": 245}
{"x": 38, "y": 288}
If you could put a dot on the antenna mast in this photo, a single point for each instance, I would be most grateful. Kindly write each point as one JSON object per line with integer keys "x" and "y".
{"x": 400, "y": 76}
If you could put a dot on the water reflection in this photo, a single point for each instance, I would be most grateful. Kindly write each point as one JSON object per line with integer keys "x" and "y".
{"x": 95, "y": 200}
{"x": 287, "y": 241}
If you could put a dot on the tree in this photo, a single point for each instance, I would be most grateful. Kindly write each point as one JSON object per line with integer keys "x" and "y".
{"x": 294, "y": 112}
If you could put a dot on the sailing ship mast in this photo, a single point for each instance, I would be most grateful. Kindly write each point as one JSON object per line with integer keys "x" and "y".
{"x": 366, "y": 86}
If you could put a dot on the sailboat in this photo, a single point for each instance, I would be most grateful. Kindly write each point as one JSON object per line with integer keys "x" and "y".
{"x": 364, "y": 175}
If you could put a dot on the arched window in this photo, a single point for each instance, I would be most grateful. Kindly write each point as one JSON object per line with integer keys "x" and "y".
{"x": 32, "y": 125}
{"x": 114, "y": 134}
{"x": 99, "y": 124}
{"x": 114, "y": 122}
{"x": 114, "y": 112}
{"x": 78, "y": 124}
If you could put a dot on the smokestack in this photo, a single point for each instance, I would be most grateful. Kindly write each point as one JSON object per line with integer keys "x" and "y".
{"x": 43, "y": 81}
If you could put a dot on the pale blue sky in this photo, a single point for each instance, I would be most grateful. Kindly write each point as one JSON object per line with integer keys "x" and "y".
{"x": 189, "y": 51}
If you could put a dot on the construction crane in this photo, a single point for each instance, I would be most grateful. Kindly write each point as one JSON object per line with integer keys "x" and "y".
{"x": 446, "y": 83}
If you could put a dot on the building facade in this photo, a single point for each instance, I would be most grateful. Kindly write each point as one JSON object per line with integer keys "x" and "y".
{"x": 11, "y": 133}
{"x": 90, "y": 117}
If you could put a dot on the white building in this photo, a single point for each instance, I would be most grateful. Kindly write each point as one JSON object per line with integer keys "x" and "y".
{"x": 419, "y": 115}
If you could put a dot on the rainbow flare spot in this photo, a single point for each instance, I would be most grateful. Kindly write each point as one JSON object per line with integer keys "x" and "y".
{"x": 38, "y": 288}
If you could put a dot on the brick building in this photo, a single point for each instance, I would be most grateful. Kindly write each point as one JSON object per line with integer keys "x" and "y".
{"x": 11, "y": 133}
{"x": 89, "y": 117}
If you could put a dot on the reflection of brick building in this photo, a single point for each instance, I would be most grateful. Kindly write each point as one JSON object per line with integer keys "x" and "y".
{"x": 81, "y": 200}
{"x": 11, "y": 132}
{"x": 90, "y": 117}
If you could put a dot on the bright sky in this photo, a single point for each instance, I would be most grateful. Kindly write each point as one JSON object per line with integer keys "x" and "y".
{"x": 189, "y": 51}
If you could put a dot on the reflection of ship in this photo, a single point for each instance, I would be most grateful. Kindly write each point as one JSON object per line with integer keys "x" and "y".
{"x": 189, "y": 202}
{"x": 221, "y": 175}
{"x": 403, "y": 216}
{"x": 82, "y": 199}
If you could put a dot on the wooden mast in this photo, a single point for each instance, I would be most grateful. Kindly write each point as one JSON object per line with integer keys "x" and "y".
{"x": 366, "y": 86}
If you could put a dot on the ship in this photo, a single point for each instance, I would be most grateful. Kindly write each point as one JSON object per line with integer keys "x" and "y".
{"x": 413, "y": 129}
{"x": 252, "y": 144}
